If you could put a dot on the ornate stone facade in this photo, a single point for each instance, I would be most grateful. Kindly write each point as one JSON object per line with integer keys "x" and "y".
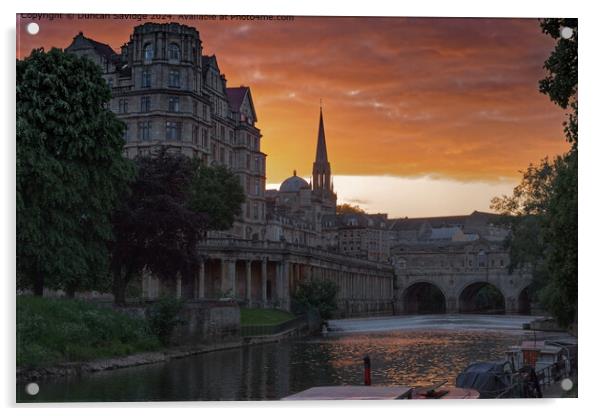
{"x": 169, "y": 94}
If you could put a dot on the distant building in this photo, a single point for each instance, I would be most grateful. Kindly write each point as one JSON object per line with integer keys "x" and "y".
{"x": 297, "y": 208}
{"x": 359, "y": 235}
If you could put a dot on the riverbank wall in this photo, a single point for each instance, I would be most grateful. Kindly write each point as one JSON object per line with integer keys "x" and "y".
{"x": 206, "y": 326}
{"x": 74, "y": 369}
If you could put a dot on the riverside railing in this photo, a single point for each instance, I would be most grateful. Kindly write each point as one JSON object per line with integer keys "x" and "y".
{"x": 267, "y": 330}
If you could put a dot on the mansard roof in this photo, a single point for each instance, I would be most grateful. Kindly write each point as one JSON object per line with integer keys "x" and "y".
{"x": 236, "y": 97}
{"x": 101, "y": 48}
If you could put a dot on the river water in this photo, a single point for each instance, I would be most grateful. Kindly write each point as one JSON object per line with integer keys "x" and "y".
{"x": 409, "y": 351}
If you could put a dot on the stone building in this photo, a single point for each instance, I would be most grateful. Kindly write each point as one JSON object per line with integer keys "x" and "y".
{"x": 448, "y": 260}
{"x": 358, "y": 235}
{"x": 298, "y": 207}
{"x": 169, "y": 94}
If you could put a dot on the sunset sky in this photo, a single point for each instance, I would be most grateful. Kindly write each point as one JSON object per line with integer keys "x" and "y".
{"x": 423, "y": 116}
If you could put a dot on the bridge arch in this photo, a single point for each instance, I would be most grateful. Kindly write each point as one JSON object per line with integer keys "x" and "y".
{"x": 525, "y": 300}
{"x": 481, "y": 297}
{"x": 423, "y": 297}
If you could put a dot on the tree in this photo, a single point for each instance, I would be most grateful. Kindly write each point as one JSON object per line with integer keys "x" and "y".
{"x": 169, "y": 208}
{"x": 155, "y": 227}
{"x": 69, "y": 172}
{"x": 542, "y": 211}
{"x": 349, "y": 209}
{"x": 319, "y": 294}
{"x": 218, "y": 193}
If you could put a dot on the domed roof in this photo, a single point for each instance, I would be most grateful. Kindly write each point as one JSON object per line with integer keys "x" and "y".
{"x": 293, "y": 184}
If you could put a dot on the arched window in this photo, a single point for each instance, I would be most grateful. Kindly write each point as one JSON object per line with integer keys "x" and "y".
{"x": 174, "y": 52}
{"x": 148, "y": 52}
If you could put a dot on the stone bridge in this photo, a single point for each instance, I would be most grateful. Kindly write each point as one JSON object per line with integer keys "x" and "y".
{"x": 451, "y": 280}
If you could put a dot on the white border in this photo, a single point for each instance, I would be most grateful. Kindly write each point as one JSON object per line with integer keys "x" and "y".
{"x": 589, "y": 189}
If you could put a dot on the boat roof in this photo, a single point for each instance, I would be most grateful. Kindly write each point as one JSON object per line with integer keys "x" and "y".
{"x": 352, "y": 393}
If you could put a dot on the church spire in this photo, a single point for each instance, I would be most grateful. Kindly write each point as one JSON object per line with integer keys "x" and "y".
{"x": 321, "y": 169}
{"x": 321, "y": 153}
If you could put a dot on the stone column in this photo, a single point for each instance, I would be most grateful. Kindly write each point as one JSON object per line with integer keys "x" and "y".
{"x": 179, "y": 286}
{"x": 264, "y": 281}
{"x": 228, "y": 277}
{"x": 285, "y": 294}
{"x": 232, "y": 277}
{"x": 248, "y": 281}
{"x": 200, "y": 294}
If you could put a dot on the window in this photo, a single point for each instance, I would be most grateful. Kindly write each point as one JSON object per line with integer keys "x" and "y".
{"x": 231, "y": 136}
{"x": 174, "y": 104}
{"x": 110, "y": 82}
{"x": 222, "y": 155}
{"x": 248, "y": 162}
{"x": 482, "y": 259}
{"x": 230, "y": 159}
{"x": 144, "y": 130}
{"x": 174, "y": 78}
{"x": 174, "y": 52}
{"x": 146, "y": 78}
{"x": 205, "y": 112}
{"x": 195, "y": 135}
{"x": 173, "y": 130}
{"x": 145, "y": 104}
{"x": 123, "y": 106}
{"x": 256, "y": 186}
{"x": 126, "y": 133}
{"x": 213, "y": 151}
{"x": 257, "y": 168}
{"x": 195, "y": 108}
{"x": 204, "y": 139}
{"x": 148, "y": 52}
{"x": 222, "y": 132}
{"x": 255, "y": 211}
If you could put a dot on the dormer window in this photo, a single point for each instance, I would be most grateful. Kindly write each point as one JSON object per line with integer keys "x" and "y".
{"x": 174, "y": 52}
{"x": 148, "y": 52}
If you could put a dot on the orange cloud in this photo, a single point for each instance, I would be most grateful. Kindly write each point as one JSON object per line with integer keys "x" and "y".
{"x": 454, "y": 98}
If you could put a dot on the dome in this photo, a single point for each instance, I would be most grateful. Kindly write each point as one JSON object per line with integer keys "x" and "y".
{"x": 293, "y": 184}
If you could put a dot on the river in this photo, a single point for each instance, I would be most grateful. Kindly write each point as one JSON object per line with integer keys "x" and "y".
{"x": 411, "y": 350}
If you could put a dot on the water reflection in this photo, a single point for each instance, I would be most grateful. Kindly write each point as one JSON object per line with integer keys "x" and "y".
{"x": 271, "y": 371}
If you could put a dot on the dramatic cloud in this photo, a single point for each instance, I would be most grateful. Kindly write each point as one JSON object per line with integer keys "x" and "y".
{"x": 447, "y": 98}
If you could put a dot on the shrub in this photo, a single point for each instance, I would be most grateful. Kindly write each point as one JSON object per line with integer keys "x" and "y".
{"x": 50, "y": 331}
{"x": 318, "y": 294}
{"x": 163, "y": 317}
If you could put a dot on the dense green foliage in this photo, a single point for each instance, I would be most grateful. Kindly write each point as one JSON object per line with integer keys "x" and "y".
{"x": 154, "y": 226}
{"x": 51, "y": 331}
{"x": 542, "y": 211}
{"x": 318, "y": 294}
{"x": 70, "y": 171}
{"x": 165, "y": 214}
{"x": 163, "y": 318}
{"x": 218, "y": 193}
{"x": 255, "y": 316}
